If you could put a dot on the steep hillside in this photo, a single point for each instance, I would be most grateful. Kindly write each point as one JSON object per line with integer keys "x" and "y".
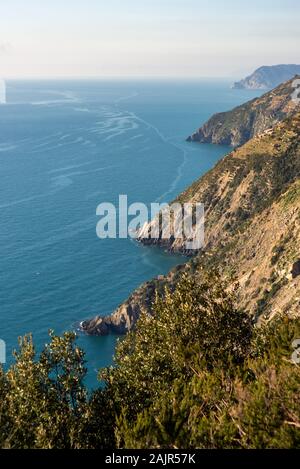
{"x": 248, "y": 120}
{"x": 268, "y": 77}
{"x": 252, "y": 229}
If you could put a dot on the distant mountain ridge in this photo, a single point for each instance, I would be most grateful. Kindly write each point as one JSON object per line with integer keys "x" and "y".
{"x": 268, "y": 77}
{"x": 244, "y": 122}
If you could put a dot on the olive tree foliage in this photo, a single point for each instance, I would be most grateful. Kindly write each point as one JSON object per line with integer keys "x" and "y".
{"x": 251, "y": 403}
{"x": 194, "y": 326}
{"x": 44, "y": 403}
{"x": 198, "y": 373}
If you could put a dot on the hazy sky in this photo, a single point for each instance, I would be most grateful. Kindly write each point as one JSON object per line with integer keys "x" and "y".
{"x": 187, "y": 38}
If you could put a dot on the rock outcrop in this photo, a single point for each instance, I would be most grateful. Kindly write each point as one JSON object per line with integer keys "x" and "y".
{"x": 268, "y": 77}
{"x": 244, "y": 122}
{"x": 296, "y": 269}
{"x": 124, "y": 317}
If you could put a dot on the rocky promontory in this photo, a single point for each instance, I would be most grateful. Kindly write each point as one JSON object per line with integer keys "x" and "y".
{"x": 239, "y": 125}
{"x": 268, "y": 77}
{"x": 124, "y": 317}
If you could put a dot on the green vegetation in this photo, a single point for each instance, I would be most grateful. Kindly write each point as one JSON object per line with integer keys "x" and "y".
{"x": 253, "y": 178}
{"x": 43, "y": 402}
{"x": 268, "y": 294}
{"x": 237, "y": 126}
{"x": 198, "y": 373}
{"x": 292, "y": 195}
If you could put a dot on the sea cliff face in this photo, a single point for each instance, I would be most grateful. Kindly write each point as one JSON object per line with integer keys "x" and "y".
{"x": 236, "y": 127}
{"x": 252, "y": 230}
{"x": 268, "y": 77}
{"x": 125, "y": 316}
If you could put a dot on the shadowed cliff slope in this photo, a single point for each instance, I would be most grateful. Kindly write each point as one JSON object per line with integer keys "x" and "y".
{"x": 248, "y": 120}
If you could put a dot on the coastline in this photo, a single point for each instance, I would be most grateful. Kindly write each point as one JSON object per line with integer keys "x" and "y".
{"x": 238, "y": 193}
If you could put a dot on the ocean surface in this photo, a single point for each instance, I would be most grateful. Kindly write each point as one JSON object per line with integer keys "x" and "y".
{"x": 67, "y": 146}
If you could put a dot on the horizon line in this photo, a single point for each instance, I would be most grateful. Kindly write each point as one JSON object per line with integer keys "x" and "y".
{"x": 119, "y": 77}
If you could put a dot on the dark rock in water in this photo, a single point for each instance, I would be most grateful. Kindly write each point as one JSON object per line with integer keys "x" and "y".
{"x": 95, "y": 326}
{"x": 113, "y": 324}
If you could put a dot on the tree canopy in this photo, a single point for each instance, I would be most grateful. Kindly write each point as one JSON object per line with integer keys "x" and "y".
{"x": 198, "y": 373}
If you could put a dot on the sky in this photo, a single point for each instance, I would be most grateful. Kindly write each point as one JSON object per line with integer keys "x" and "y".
{"x": 145, "y": 38}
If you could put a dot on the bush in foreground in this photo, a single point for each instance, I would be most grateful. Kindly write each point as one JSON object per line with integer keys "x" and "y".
{"x": 196, "y": 374}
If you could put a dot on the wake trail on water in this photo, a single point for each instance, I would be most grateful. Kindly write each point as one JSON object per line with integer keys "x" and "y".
{"x": 125, "y": 98}
{"x": 164, "y": 139}
{"x": 58, "y": 183}
{"x": 66, "y": 97}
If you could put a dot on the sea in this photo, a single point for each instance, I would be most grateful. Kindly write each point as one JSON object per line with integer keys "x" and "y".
{"x": 67, "y": 146}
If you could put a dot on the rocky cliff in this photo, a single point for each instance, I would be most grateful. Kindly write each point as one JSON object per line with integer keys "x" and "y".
{"x": 125, "y": 316}
{"x": 252, "y": 235}
{"x": 248, "y": 120}
{"x": 268, "y": 77}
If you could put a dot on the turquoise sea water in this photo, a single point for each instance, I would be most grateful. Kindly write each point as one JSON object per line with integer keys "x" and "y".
{"x": 65, "y": 147}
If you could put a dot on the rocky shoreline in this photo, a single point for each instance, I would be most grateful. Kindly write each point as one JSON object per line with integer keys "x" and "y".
{"x": 124, "y": 318}
{"x": 252, "y": 213}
